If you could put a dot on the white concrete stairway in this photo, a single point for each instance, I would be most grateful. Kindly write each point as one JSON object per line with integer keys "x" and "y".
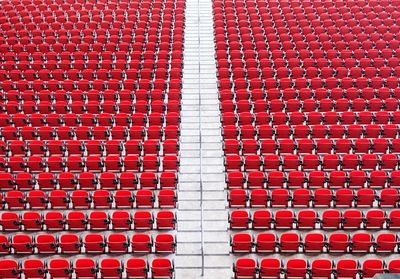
{"x": 202, "y": 217}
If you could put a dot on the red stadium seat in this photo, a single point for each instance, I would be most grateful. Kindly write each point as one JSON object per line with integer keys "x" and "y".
{"x": 98, "y": 220}
{"x": 314, "y": 242}
{"x": 76, "y": 220}
{"x": 386, "y": 242}
{"x": 33, "y": 268}
{"x": 136, "y": 268}
{"x": 375, "y": 219}
{"x": 331, "y": 219}
{"x": 265, "y": 243}
{"x": 167, "y": 198}
{"x": 10, "y": 221}
{"x": 270, "y": 268}
{"x": 289, "y": 242}
{"x": 393, "y": 266}
{"x": 121, "y": 220}
{"x": 46, "y": 243}
{"x": 321, "y": 268}
{"x": 361, "y": 242}
{"x": 239, "y": 219}
{"x": 241, "y": 242}
{"x": 94, "y": 243}
{"x": 111, "y": 268}
{"x": 164, "y": 243}
{"x": 296, "y": 268}
{"x": 165, "y": 220}
{"x": 284, "y": 219}
{"x": 117, "y": 243}
{"x": 9, "y": 269}
{"x": 370, "y": 267}
{"x": 145, "y": 199}
{"x": 162, "y": 268}
{"x": 352, "y": 219}
{"x": 346, "y": 268}
{"x": 245, "y": 268}
{"x": 123, "y": 199}
{"x": 59, "y": 268}
{"x": 306, "y": 219}
{"x": 22, "y": 244}
{"x": 70, "y": 243}
{"x": 85, "y": 268}
{"x": 15, "y": 200}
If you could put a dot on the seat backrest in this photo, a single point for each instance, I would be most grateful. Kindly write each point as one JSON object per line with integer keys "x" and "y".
{"x": 161, "y": 267}
{"x": 85, "y": 267}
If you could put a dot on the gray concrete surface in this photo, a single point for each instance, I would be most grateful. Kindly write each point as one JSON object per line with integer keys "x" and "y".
{"x": 203, "y": 242}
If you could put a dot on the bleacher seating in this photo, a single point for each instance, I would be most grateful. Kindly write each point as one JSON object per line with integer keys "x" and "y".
{"x": 347, "y": 219}
{"x": 322, "y": 268}
{"x": 81, "y": 220}
{"x": 87, "y": 268}
{"x": 90, "y": 100}
{"x": 310, "y": 123}
{"x": 294, "y": 242}
{"x": 71, "y": 243}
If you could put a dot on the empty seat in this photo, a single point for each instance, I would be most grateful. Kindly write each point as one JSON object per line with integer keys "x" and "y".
{"x": 54, "y": 220}
{"x": 59, "y": 268}
{"x": 265, "y": 243}
{"x": 22, "y": 244}
{"x": 314, "y": 242}
{"x": 46, "y": 243}
{"x": 237, "y": 198}
{"x": 111, "y": 268}
{"x": 346, "y": 268}
{"x": 339, "y": 242}
{"x": 117, "y": 243}
{"x": 296, "y": 268}
{"x": 284, "y": 219}
{"x": 85, "y": 268}
{"x": 164, "y": 243}
{"x": 70, "y": 243}
{"x": 142, "y": 220}
{"x": 375, "y": 219}
{"x": 15, "y": 200}
{"x": 289, "y": 242}
{"x": 33, "y": 268}
{"x": 370, "y": 267}
{"x": 165, "y": 220}
{"x": 270, "y": 268}
{"x": 245, "y": 268}
{"x": 331, "y": 219}
{"x": 9, "y": 269}
{"x": 123, "y": 199}
{"x": 76, "y": 220}
{"x": 352, "y": 219}
{"x": 240, "y": 219}
{"x": 122, "y": 220}
{"x": 306, "y": 219}
{"x": 393, "y": 266}
{"x": 167, "y": 198}
{"x": 321, "y": 268}
{"x": 136, "y": 268}
{"x": 386, "y": 242}
{"x": 262, "y": 219}
{"x": 94, "y": 243}
{"x": 361, "y": 242}
{"x": 145, "y": 199}
{"x": 241, "y": 242}
{"x": 162, "y": 268}
{"x": 141, "y": 243}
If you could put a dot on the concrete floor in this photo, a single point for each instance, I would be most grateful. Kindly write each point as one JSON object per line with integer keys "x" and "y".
{"x": 203, "y": 241}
